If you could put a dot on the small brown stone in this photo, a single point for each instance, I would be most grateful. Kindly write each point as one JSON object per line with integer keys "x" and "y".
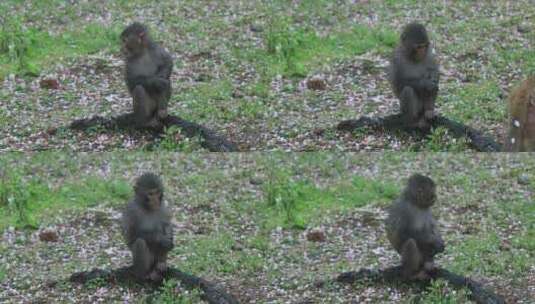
{"x": 524, "y": 28}
{"x": 237, "y": 94}
{"x": 523, "y": 179}
{"x": 49, "y": 83}
{"x": 256, "y": 28}
{"x": 318, "y": 131}
{"x": 51, "y": 131}
{"x": 317, "y": 84}
{"x": 316, "y": 236}
{"x": 48, "y": 236}
{"x": 256, "y": 181}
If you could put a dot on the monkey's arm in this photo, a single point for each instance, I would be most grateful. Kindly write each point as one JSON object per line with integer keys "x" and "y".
{"x": 429, "y": 241}
{"x": 164, "y": 72}
{"x": 419, "y": 83}
{"x": 161, "y": 236}
{"x": 166, "y": 241}
{"x": 128, "y": 225}
{"x": 166, "y": 66}
{"x": 152, "y": 84}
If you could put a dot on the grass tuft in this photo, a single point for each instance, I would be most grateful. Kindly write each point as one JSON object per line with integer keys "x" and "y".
{"x": 295, "y": 203}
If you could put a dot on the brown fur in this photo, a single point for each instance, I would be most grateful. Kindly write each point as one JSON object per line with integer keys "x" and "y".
{"x": 522, "y": 117}
{"x": 147, "y": 229}
{"x": 411, "y": 228}
{"x": 414, "y": 77}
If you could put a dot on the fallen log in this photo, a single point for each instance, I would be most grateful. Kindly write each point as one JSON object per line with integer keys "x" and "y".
{"x": 476, "y": 139}
{"x": 125, "y": 276}
{"x": 209, "y": 139}
{"x": 393, "y": 275}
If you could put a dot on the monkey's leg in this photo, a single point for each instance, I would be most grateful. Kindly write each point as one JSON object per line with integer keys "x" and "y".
{"x": 144, "y": 107}
{"x": 411, "y": 108}
{"x": 429, "y": 107}
{"x": 143, "y": 258}
{"x": 161, "y": 261}
{"x": 429, "y": 265}
{"x": 412, "y": 261}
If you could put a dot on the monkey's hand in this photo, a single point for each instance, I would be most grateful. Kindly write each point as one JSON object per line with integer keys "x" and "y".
{"x": 166, "y": 243}
{"x": 162, "y": 113}
{"x": 139, "y": 80}
{"x": 438, "y": 246}
{"x": 428, "y": 85}
{"x": 158, "y": 84}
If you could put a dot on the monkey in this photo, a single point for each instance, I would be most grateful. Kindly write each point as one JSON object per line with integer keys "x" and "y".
{"x": 147, "y": 74}
{"x": 414, "y": 76}
{"x": 146, "y": 227}
{"x": 412, "y": 230}
{"x": 521, "y": 137}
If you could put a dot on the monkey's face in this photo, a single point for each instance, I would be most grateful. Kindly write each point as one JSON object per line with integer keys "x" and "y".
{"x": 153, "y": 199}
{"x": 426, "y": 195}
{"x": 132, "y": 45}
{"x": 420, "y": 51}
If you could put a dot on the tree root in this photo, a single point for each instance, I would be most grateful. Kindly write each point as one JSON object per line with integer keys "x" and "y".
{"x": 125, "y": 276}
{"x": 210, "y": 140}
{"x": 390, "y": 123}
{"x": 393, "y": 275}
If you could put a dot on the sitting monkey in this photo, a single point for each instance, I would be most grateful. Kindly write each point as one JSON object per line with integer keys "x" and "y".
{"x": 147, "y": 74}
{"x": 147, "y": 228}
{"x": 411, "y": 228}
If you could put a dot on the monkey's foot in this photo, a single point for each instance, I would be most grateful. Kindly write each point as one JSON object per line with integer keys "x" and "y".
{"x": 430, "y": 266}
{"x": 161, "y": 267}
{"x": 423, "y": 125}
{"x": 429, "y": 114}
{"x": 420, "y": 276}
{"x": 162, "y": 114}
{"x": 155, "y": 276}
{"x": 154, "y": 123}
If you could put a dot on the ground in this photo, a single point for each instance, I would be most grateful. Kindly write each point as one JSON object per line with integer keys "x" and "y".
{"x": 269, "y": 228}
{"x": 275, "y": 75}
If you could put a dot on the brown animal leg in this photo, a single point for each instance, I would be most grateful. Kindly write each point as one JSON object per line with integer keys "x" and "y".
{"x": 143, "y": 258}
{"x": 412, "y": 261}
{"x": 144, "y": 108}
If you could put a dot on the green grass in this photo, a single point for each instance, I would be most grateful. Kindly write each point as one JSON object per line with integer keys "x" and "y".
{"x": 440, "y": 293}
{"x": 291, "y": 50}
{"x": 440, "y": 140}
{"x": 489, "y": 253}
{"x": 24, "y": 202}
{"x": 477, "y": 101}
{"x": 173, "y": 140}
{"x": 170, "y": 294}
{"x": 26, "y": 50}
{"x": 2, "y": 272}
{"x": 217, "y": 253}
{"x": 484, "y": 254}
{"x": 295, "y": 204}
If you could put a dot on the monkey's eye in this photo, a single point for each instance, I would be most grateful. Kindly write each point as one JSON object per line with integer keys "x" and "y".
{"x": 421, "y": 46}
